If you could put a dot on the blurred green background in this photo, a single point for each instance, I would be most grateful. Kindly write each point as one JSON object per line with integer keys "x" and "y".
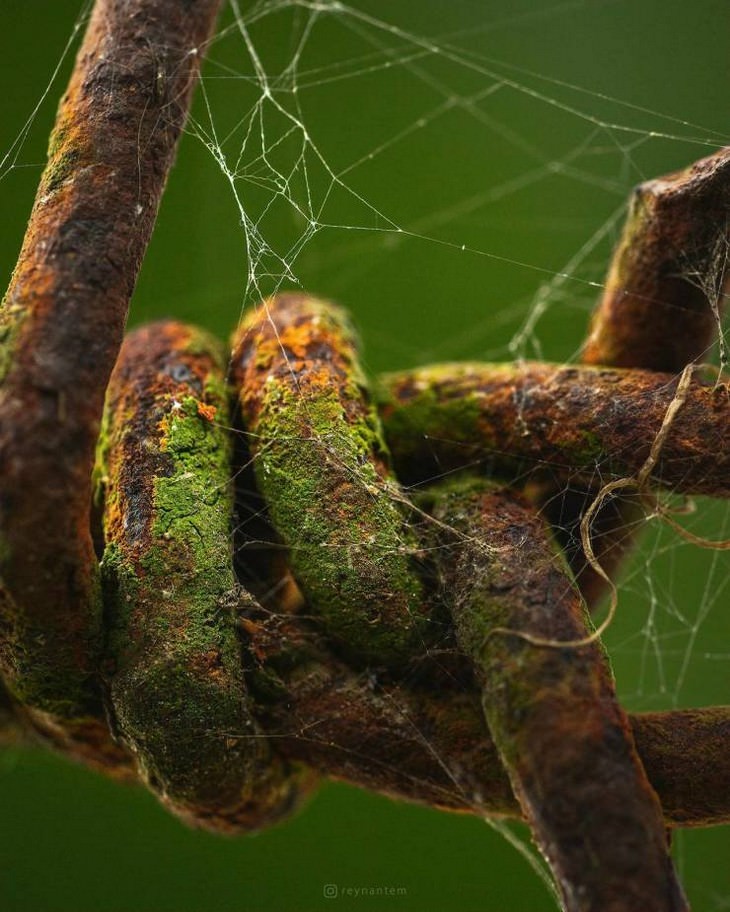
{"x": 512, "y": 130}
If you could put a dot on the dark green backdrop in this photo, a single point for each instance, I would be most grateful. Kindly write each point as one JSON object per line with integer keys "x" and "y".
{"x": 73, "y": 842}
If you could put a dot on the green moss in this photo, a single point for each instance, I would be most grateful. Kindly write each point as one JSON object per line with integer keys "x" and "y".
{"x": 58, "y": 138}
{"x": 54, "y": 683}
{"x": 59, "y": 169}
{"x": 458, "y": 420}
{"x": 177, "y": 682}
{"x": 321, "y": 464}
{"x": 518, "y": 677}
{"x": 100, "y": 472}
{"x": 202, "y": 342}
{"x": 454, "y": 414}
{"x": 64, "y": 158}
{"x": 588, "y": 448}
{"x": 181, "y": 724}
{"x": 188, "y": 559}
{"x": 11, "y": 318}
{"x": 351, "y": 550}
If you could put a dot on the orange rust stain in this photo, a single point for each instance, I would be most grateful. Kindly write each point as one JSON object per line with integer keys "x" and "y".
{"x": 298, "y": 337}
{"x": 207, "y": 664}
{"x": 320, "y": 378}
{"x": 208, "y": 412}
{"x": 255, "y": 633}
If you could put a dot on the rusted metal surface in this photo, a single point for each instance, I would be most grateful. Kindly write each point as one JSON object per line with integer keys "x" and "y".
{"x": 685, "y": 754}
{"x": 427, "y": 740}
{"x": 431, "y": 745}
{"x": 61, "y": 325}
{"x": 668, "y": 273}
{"x": 322, "y": 468}
{"x": 552, "y": 710}
{"x": 177, "y": 691}
{"x": 660, "y": 310}
{"x": 177, "y": 694}
{"x": 562, "y": 423}
{"x": 613, "y": 528}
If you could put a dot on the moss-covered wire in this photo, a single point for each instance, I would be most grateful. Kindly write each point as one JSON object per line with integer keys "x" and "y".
{"x": 559, "y": 422}
{"x": 552, "y": 711}
{"x": 176, "y": 684}
{"x": 324, "y": 472}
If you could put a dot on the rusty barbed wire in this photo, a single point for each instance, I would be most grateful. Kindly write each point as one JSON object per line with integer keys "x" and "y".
{"x": 199, "y": 723}
{"x": 348, "y": 662}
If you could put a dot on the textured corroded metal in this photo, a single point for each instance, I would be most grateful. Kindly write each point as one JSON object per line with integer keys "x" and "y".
{"x": 659, "y": 310}
{"x": 373, "y": 737}
{"x": 552, "y": 710}
{"x": 324, "y": 472}
{"x": 177, "y": 692}
{"x": 61, "y": 325}
{"x": 563, "y": 422}
{"x": 227, "y": 707}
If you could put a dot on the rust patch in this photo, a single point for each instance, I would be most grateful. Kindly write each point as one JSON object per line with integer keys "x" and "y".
{"x": 323, "y": 470}
{"x": 61, "y": 325}
{"x": 176, "y": 687}
{"x": 553, "y": 712}
{"x": 654, "y": 314}
{"x": 557, "y": 421}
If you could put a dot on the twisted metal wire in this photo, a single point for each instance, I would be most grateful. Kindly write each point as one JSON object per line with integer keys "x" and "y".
{"x": 411, "y": 646}
{"x": 218, "y": 717}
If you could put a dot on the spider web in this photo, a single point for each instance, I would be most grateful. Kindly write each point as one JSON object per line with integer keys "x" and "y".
{"x": 457, "y": 178}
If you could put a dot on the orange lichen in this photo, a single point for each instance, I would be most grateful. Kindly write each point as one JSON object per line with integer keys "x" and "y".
{"x": 207, "y": 411}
